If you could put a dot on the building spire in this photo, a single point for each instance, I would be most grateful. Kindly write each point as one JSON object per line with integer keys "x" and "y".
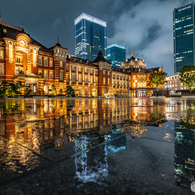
{"x": 58, "y": 40}
{"x": 132, "y": 52}
{"x": 0, "y": 16}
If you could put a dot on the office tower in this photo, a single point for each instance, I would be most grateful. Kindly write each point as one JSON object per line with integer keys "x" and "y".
{"x": 90, "y": 37}
{"x": 116, "y": 54}
{"x": 183, "y": 37}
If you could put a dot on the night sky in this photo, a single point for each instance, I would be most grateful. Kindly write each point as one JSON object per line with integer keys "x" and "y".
{"x": 144, "y": 25}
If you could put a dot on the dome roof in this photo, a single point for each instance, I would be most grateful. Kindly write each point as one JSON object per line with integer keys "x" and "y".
{"x": 133, "y": 63}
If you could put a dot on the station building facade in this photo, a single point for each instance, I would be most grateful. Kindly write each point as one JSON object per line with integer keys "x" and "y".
{"x": 25, "y": 60}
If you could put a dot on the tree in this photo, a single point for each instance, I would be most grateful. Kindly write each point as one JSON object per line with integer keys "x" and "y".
{"x": 53, "y": 90}
{"x": 187, "y": 77}
{"x": 158, "y": 118}
{"x": 41, "y": 92}
{"x": 3, "y": 87}
{"x": 27, "y": 91}
{"x": 70, "y": 91}
{"x": 60, "y": 91}
{"x": 157, "y": 79}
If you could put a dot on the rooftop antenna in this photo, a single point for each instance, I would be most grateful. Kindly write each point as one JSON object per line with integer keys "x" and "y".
{"x": 132, "y": 51}
{"x": 58, "y": 40}
{"x": 0, "y": 16}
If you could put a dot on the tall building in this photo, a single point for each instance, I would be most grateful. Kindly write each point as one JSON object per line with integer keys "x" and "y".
{"x": 90, "y": 37}
{"x": 183, "y": 36}
{"x": 116, "y": 54}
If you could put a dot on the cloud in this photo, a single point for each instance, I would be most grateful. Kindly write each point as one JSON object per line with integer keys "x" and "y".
{"x": 148, "y": 28}
{"x": 56, "y": 22}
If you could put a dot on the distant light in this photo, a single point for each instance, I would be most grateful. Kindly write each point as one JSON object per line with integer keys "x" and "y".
{"x": 116, "y": 45}
{"x": 89, "y": 18}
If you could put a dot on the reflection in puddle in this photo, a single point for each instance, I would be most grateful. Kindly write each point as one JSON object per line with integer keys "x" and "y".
{"x": 184, "y": 155}
{"x": 59, "y": 129}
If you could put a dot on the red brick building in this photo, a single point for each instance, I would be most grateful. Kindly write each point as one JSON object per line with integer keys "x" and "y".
{"x": 25, "y": 60}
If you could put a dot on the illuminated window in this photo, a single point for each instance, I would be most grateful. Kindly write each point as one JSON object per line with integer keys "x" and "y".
{"x": 1, "y": 69}
{"x": 19, "y": 58}
{"x": 45, "y": 62}
{"x": 51, "y": 74}
{"x": 67, "y": 78}
{"x": 96, "y": 79}
{"x": 61, "y": 75}
{"x": 67, "y": 67}
{"x": 73, "y": 77}
{"x": 85, "y": 70}
{"x": 39, "y": 71}
{"x": 80, "y": 77}
{"x": 73, "y": 68}
{"x": 51, "y": 62}
{"x": 108, "y": 73}
{"x": 91, "y": 79}
{"x": 40, "y": 60}
{"x": 104, "y": 72}
{"x": 80, "y": 69}
{"x": 86, "y": 78}
{"x": 61, "y": 64}
{"x": 91, "y": 71}
{"x": 46, "y": 74}
{"x": 104, "y": 80}
{"x": 1, "y": 53}
{"x": 108, "y": 81}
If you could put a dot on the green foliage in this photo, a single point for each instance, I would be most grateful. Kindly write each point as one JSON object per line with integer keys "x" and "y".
{"x": 11, "y": 90}
{"x": 70, "y": 91}
{"x": 41, "y": 92}
{"x": 187, "y": 77}
{"x": 3, "y": 87}
{"x": 27, "y": 91}
{"x": 158, "y": 118}
{"x": 53, "y": 90}
{"x": 157, "y": 79}
{"x": 61, "y": 91}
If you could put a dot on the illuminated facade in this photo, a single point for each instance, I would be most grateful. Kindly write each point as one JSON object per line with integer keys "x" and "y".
{"x": 116, "y": 54}
{"x": 90, "y": 37}
{"x": 173, "y": 83}
{"x": 23, "y": 59}
{"x": 183, "y": 36}
{"x": 98, "y": 78}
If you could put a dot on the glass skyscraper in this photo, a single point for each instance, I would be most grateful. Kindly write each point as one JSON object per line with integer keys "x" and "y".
{"x": 90, "y": 37}
{"x": 183, "y": 36}
{"x": 116, "y": 54}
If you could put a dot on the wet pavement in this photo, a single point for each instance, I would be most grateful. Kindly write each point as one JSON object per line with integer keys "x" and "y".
{"x": 91, "y": 146}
